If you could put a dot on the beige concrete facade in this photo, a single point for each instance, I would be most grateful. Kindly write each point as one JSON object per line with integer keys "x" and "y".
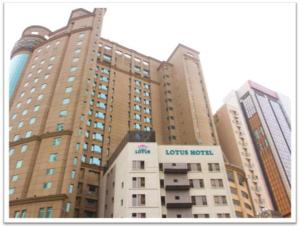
{"x": 237, "y": 146}
{"x": 77, "y": 97}
{"x": 240, "y": 192}
{"x": 178, "y": 182}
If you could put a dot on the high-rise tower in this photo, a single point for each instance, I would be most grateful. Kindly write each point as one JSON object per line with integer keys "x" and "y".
{"x": 74, "y": 99}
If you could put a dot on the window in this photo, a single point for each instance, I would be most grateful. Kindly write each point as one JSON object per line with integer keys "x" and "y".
{"x": 137, "y": 117}
{"x": 100, "y": 115}
{"x": 248, "y": 206}
{"x": 71, "y": 79}
{"x": 220, "y": 200}
{"x": 197, "y": 183}
{"x": 70, "y": 188}
{"x": 32, "y": 120}
{"x": 138, "y": 182}
{"x": 194, "y": 167}
{"x": 137, "y": 107}
{"x": 75, "y": 161}
{"x": 45, "y": 213}
{"x": 147, "y": 128}
{"x": 24, "y": 148}
{"x": 223, "y": 215}
{"x": 14, "y": 116}
{"x": 36, "y": 108}
{"x": 137, "y": 99}
{"x": 201, "y": 215}
{"x": 73, "y": 69}
{"x": 67, "y": 207}
{"x": 52, "y": 58}
{"x": 22, "y": 94}
{"x": 138, "y": 200}
{"x": 66, "y": 101}
{"x": 23, "y": 213}
{"x": 47, "y": 185}
{"x": 236, "y": 202}
{"x": 230, "y": 176}
{"x": 147, "y": 110}
{"x": 103, "y": 87}
{"x": 216, "y": 183}
{"x": 56, "y": 141}
{"x": 19, "y": 105}
{"x": 50, "y": 171}
{"x": 102, "y": 96}
{"x": 26, "y": 84}
{"x": 101, "y": 105}
{"x": 46, "y": 76}
{"x": 59, "y": 127}
{"x": 28, "y": 134}
{"x": 14, "y": 178}
{"x": 146, "y": 102}
{"x": 35, "y": 80}
{"x": 21, "y": 124}
{"x": 137, "y": 126}
{"x": 137, "y": 90}
{"x": 43, "y": 86}
{"x": 68, "y": 89}
{"x": 63, "y": 113}
{"x": 16, "y": 138}
{"x": 77, "y": 51}
{"x": 106, "y": 58}
{"x": 137, "y": 165}
{"x": 40, "y": 97}
{"x": 75, "y": 60}
{"x": 73, "y": 174}
{"x": 241, "y": 180}
{"x": 42, "y": 213}
{"x": 147, "y": 119}
{"x": 213, "y": 167}
{"x": 199, "y": 200}
{"x": 96, "y": 148}
{"x": 138, "y": 215}
{"x": 50, "y": 67}
{"x": 97, "y": 136}
{"x": 11, "y": 152}
{"x": 233, "y": 190}
{"x": 245, "y": 195}
{"x": 29, "y": 100}
{"x": 95, "y": 161}
{"x": 53, "y": 157}
{"x": 17, "y": 214}
{"x": 12, "y": 191}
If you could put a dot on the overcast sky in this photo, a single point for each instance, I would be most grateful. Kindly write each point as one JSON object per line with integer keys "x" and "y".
{"x": 237, "y": 42}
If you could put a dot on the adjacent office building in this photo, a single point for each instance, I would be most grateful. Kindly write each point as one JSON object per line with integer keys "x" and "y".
{"x": 74, "y": 96}
{"x": 254, "y": 131}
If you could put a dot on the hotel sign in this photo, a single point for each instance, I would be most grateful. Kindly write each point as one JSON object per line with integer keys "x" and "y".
{"x": 142, "y": 149}
{"x": 189, "y": 152}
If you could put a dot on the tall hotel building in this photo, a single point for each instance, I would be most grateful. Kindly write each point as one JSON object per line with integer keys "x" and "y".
{"x": 74, "y": 96}
{"x": 254, "y": 131}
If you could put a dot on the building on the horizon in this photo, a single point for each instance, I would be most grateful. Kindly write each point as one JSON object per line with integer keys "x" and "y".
{"x": 254, "y": 132}
{"x": 74, "y": 96}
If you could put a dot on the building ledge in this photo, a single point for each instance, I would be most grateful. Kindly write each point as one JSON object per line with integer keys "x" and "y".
{"x": 38, "y": 199}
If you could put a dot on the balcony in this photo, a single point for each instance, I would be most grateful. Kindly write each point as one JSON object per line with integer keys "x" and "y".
{"x": 178, "y": 199}
{"x": 177, "y": 184}
{"x": 175, "y": 168}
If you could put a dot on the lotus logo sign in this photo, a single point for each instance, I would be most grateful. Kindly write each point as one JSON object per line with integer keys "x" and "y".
{"x": 142, "y": 149}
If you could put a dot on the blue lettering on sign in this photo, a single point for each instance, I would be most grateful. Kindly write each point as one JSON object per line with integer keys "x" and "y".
{"x": 142, "y": 149}
{"x": 189, "y": 152}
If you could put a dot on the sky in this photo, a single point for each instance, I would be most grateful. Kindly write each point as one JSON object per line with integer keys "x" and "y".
{"x": 237, "y": 41}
